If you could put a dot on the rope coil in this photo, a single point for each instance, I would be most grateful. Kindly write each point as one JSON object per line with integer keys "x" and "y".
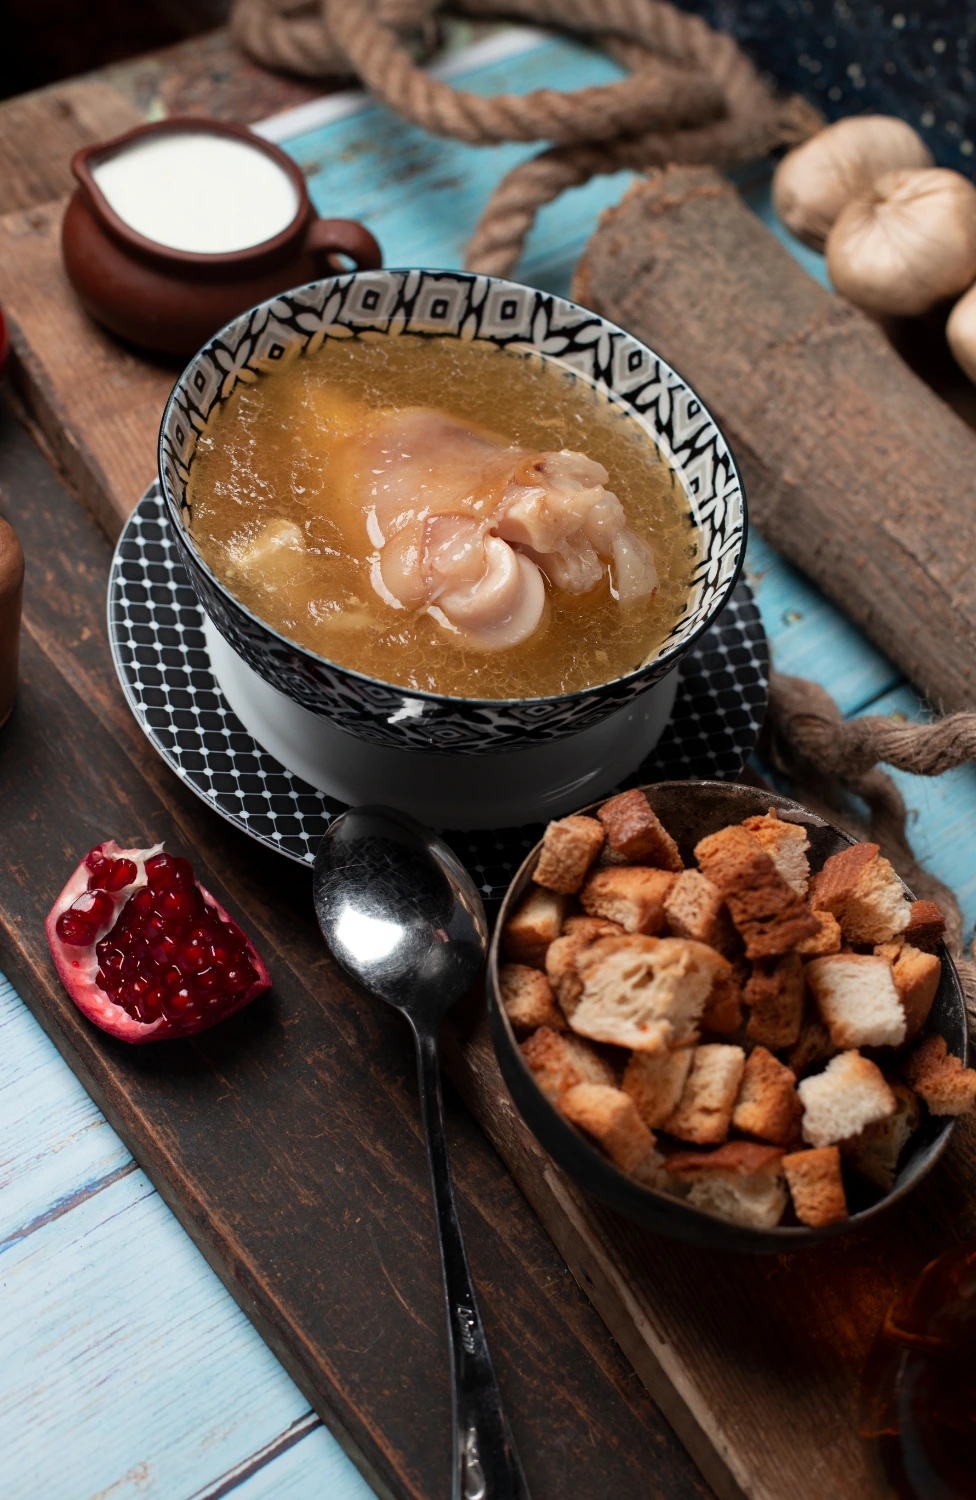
{"x": 692, "y": 94}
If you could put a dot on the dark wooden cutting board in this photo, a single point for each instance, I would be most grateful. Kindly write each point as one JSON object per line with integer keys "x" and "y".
{"x": 287, "y": 1141}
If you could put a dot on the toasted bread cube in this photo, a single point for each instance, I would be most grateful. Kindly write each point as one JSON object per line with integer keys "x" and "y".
{"x": 741, "y": 1181}
{"x": 655, "y": 1081}
{"x": 569, "y": 847}
{"x": 561, "y": 970}
{"x": 610, "y": 1117}
{"x": 812, "y": 1046}
{"x": 527, "y": 999}
{"x": 850, "y": 1093}
{"x": 860, "y": 887}
{"x": 767, "y": 1105}
{"x": 875, "y": 1152}
{"x": 644, "y": 992}
{"x": 926, "y": 926}
{"x": 786, "y": 844}
{"x": 828, "y": 940}
{"x": 940, "y": 1079}
{"x": 916, "y": 977}
{"x": 696, "y": 909}
{"x": 591, "y": 928}
{"x": 560, "y": 1062}
{"x": 723, "y": 1008}
{"x": 774, "y": 994}
{"x": 636, "y": 833}
{"x": 533, "y": 926}
{"x": 816, "y": 1186}
{"x": 856, "y": 996}
{"x": 704, "y": 1111}
{"x": 630, "y": 895}
{"x": 769, "y": 915}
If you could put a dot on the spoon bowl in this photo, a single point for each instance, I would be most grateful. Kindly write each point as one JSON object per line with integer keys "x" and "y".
{"x": 404, "y": 918}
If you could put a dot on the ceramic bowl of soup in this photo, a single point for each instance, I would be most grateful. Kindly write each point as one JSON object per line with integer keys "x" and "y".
{"x": 448, "y": 514}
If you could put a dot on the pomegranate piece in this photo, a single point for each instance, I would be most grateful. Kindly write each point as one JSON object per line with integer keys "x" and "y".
{"x": 145, "y": 951}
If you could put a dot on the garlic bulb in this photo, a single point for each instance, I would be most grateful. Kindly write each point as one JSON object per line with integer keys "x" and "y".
{"x": 813, "y": 183}
{"x": 906, "y": 243}
{"x": 961, "y": 333}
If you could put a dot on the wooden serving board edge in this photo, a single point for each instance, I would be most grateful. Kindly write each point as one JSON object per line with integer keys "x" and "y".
{"x": 568, "y": 1219}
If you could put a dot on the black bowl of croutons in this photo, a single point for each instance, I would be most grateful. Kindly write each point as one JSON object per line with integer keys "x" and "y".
{"x": 725, "y": 1018}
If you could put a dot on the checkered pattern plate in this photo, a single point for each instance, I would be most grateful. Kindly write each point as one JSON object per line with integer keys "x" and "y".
{"x": 156, "y": 634}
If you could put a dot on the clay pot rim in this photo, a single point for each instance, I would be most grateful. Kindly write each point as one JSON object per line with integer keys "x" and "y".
{"x": 180, "y": 124}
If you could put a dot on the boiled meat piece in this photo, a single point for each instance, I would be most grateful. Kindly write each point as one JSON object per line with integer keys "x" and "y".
{"x": 465, "y": 526}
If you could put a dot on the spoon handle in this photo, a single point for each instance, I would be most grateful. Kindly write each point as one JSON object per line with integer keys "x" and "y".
{"x": 486, "y": 1465}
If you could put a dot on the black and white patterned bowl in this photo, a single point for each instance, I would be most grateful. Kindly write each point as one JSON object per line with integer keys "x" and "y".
{"x": 454, "y": 304}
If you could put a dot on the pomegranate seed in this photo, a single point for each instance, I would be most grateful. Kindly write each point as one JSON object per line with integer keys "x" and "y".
{"x": 173, "y": 978}
{"x": 176, "y": 904}
{"x": 164, "y": 951}
{"x": 179, "y": 1000}
{"x": 141, "y": 904}
{"x": 239, "y": 978}
{"x": 193, "y": 956}
{"x": 122, "y": 873}
{"x": 95, "y": 860}
{"x": 206, "y": 982}
{"x": 74, "y": 930}
{"x": 95, "y": 907}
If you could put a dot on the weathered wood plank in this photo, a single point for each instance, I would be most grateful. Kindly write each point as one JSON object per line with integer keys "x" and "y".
{"x": 810, "y": 637}
{"x": 855, "y": 470}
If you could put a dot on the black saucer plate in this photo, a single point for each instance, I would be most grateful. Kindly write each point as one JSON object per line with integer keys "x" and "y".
{"x": 156, "y": 635}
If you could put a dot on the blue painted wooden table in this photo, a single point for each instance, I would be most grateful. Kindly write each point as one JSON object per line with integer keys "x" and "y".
{"x": 126, "y": 1370}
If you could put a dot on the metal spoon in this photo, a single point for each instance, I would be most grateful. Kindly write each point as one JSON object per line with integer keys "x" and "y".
{"x": 402, "y": 916}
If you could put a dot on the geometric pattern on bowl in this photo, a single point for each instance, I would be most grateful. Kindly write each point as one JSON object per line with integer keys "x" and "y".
{"x": 156, "y": 636}
{"x": 460, "y": 305}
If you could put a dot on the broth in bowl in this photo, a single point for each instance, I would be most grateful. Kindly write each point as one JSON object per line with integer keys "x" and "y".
{"x": 447, "y": 516}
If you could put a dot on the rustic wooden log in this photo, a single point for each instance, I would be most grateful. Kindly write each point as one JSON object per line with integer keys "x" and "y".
{"x": 853, "y": 468}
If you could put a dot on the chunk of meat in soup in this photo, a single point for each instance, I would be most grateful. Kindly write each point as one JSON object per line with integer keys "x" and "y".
{"x": 463, "y": 525}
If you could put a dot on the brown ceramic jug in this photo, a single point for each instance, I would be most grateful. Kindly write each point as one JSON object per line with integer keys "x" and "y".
{"x": 11, "y": 595}
{"x": 172, "y": 300}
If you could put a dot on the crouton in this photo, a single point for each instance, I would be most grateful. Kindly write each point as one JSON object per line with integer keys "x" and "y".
{"x": 704, "y": 1111}
{"x": 610, "y": 1117}
{"x": 569, "y": 847}
{"x": 560, "y": 1062}
{"x": 741, "y": 1181}
{"x": 644, "y": 992}
{"x": 655, "y": 1080}
{"x": 696, "y": 909}
{"x": 926, "y": 926}
{"x": 533, "y": 926}
{"x": 875, "y": 1152}
{"x": 916, "y": 977}
{"x": 856, "y": 996}
{"x": 591, "y": 928}
{"x": 816, "y": 1186}
{"x": 723, "y": 1008}
{"x": 561, "y": 970}
{"x": 767, "y": 1105}
{"x": 850, "y": 1093}
{"x": 940, "y": 1079}
{"x": 774, "y": 994}
{"x": 630, "y": 895}
{"x": 860, "y": 887}
{"x": 812, "y": 1046}
{"x": 769, "y": 915}
{"x": 635, "y": 832}
{"x": 786, "y": 844}
{"x": 828, "y": 940}
{"x": 527, "y": 999}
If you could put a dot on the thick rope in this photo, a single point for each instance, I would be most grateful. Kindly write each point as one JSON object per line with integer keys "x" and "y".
{"x": 692, "y": 94}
